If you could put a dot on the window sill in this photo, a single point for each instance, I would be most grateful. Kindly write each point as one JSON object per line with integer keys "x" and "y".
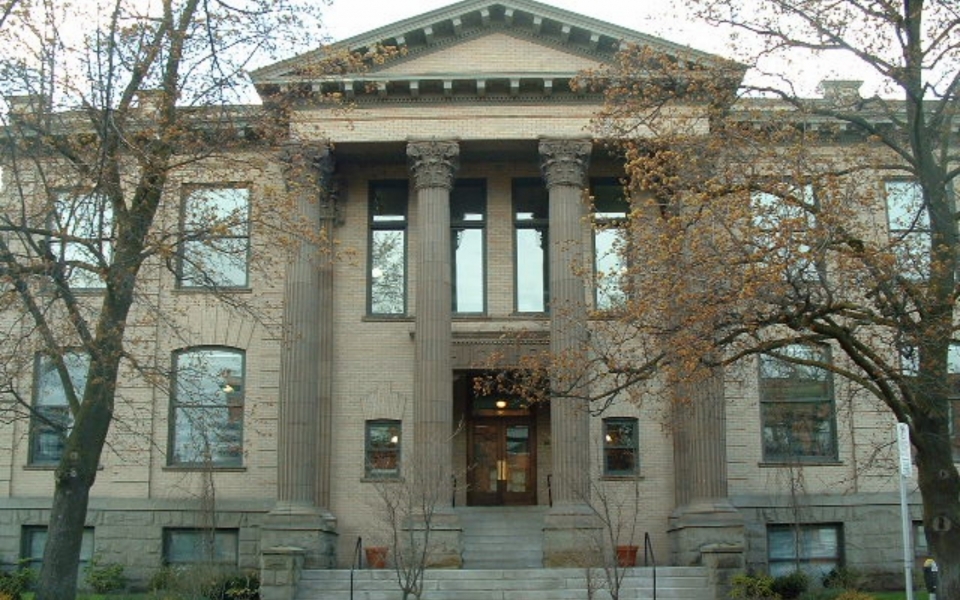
{"x": 530, "y": 315}
{"x": 218, "y": 469}
{"x": 47, "y": 467}
{"x": 40, "y": 467}
{"x": 209, "y": 290}
{"x": 637, "y": 477}
{"x": 387, "y": 318}
{"x": 381, "y": 480}
{"x": 800, "y": 463}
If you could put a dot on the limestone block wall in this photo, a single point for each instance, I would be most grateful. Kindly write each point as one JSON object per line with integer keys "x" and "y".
{"x": 864, "y": 433}
{"x": 130, "y": 532}
{"x": 871, "y": 529}
{"x": 137, "y": 494}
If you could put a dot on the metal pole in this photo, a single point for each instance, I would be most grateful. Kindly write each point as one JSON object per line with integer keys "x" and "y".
{"x": 907, "y": 549}
{"x": 906, "y": 469}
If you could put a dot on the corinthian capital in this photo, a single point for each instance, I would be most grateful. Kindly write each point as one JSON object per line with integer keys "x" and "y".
{"x": 306, "y": 165}
{"x": 433, "y": 164}
{"x": 308, "y": 173}
{"x": 565, "y": 162}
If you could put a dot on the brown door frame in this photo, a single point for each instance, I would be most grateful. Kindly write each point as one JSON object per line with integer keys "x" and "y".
{"x": 501, "y": 496}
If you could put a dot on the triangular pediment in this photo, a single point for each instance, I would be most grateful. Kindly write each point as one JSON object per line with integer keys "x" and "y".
{"x": 472, "y": 47}
{"x": 492, "y": 54}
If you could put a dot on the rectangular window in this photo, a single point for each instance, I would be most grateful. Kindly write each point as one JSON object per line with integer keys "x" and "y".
{"x": 468, "y": 207}
{"x": 201, "y": 546}
{"x": 783, "y": 214}
{"x": 33, "y": 540}
{"x": 920, "y": 548}
{"x": 796, "y": 405}
{"x": 51, "y": 421}
{"x": 207, "y": 408}
{"x": 81, "y": 237}
{"x": 814, "y": 549}
{"x": 531, "y": 206}
{"x": 909, "y": 367}
{"x": 216, "y": 238}
{"x": 382, "y": 452}
{"x": 388, "y": 247}
{"x": 909, "y": 227}
{"x": 620, "y": 447}
{"x": 610, "y": 209}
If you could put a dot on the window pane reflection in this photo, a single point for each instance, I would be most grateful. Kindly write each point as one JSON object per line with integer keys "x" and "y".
{"x": 467, "y": 216}
{"x": 610, "y": 210}
{"x": 531, "y": 270}
{"x": 388, "y": 247}
{"x": 208, "y": 408}
{"x": 217, "y": 242}
{"x": 531, "y": 218}
{"x": 387, "y": 272}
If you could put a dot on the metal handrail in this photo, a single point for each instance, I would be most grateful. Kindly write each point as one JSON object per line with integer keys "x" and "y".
{"x": 355, "y": 563}
{"x": 453, "y": 501}
{"x": 649, "y": 557}
{"x": 550, "y": 489}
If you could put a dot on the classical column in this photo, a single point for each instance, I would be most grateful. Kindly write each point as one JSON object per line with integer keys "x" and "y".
{"x": 564, "y": 163}
{"x": 433, "y": 165}
{"x": 704, "y": 519}
{"x": 299, "y": 519}
{"x": 700, "y": 449}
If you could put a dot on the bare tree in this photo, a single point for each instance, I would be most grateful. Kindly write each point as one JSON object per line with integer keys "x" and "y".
{"x": 411, "y": 509}
{"x": 88, "y": 154}
{"x": 819, "y": 231}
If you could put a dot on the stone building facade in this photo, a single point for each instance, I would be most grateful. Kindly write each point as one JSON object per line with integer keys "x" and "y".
{"x": 451, "y": 193}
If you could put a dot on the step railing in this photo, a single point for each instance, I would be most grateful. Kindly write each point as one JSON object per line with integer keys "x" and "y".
{"x": 649, "y": 557}
{"x": 355, "y": 563}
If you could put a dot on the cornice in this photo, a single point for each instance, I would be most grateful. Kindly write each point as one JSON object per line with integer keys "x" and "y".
{"x": 438, "y": 30}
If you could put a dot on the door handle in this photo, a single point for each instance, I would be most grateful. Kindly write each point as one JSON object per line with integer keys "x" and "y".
{"x": 502, "y": 470}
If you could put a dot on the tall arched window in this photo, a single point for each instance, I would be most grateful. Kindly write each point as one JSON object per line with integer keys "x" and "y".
{"x": 206, "y": 421}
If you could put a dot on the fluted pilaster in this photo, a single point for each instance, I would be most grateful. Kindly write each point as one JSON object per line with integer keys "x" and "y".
{"x": 306, "y": 354}
{"x": 564, "y": 164}
{"x": 433, "y": 166}
{"x": 700, "y": 450}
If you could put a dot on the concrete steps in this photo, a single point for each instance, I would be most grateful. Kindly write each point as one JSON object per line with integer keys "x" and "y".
{"x": 673, "y": 583}
{"x": 502, "y": 537}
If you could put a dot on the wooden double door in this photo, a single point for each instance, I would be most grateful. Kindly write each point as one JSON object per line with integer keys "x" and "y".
{"x": 502, "y": 461}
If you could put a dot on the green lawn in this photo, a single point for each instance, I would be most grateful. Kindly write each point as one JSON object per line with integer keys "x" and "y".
{"x": 120, "y": 596}
{"x": 898, "y": 595}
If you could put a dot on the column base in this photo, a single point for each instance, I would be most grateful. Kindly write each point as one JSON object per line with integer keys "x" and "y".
{"x": 704, "y": 524}
{"x": 280, "y": 570}
{"x": 569, "y": 535}
{"x": 310, "y": 528}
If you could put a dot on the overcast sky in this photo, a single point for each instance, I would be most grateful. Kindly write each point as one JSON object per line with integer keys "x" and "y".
{"x": 346, "y": 18}
{"x": 661, "y": 18}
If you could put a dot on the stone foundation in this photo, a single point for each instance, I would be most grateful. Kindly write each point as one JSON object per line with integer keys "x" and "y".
{"x": 702, "y": 524}
{"x": 567, "y": 535}
{"x": 313, "y": 531}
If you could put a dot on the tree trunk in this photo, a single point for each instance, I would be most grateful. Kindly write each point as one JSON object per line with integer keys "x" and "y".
{"x": 75, "y": 476}
{"x": 940, "y": 489}
{"x": 58, "y": 577}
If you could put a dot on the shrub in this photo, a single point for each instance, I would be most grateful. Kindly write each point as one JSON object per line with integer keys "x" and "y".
{"x": 790, "y": 586}
{"x": 14, "y": 583}
{"x": 843, "y": 578}
{"x": 234, "y": 586}
{"x": 822, "y": 594}
{"x": 749, "y": 586}
{"x": 164, "y": 578}
{"x": 104, "y": 578}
